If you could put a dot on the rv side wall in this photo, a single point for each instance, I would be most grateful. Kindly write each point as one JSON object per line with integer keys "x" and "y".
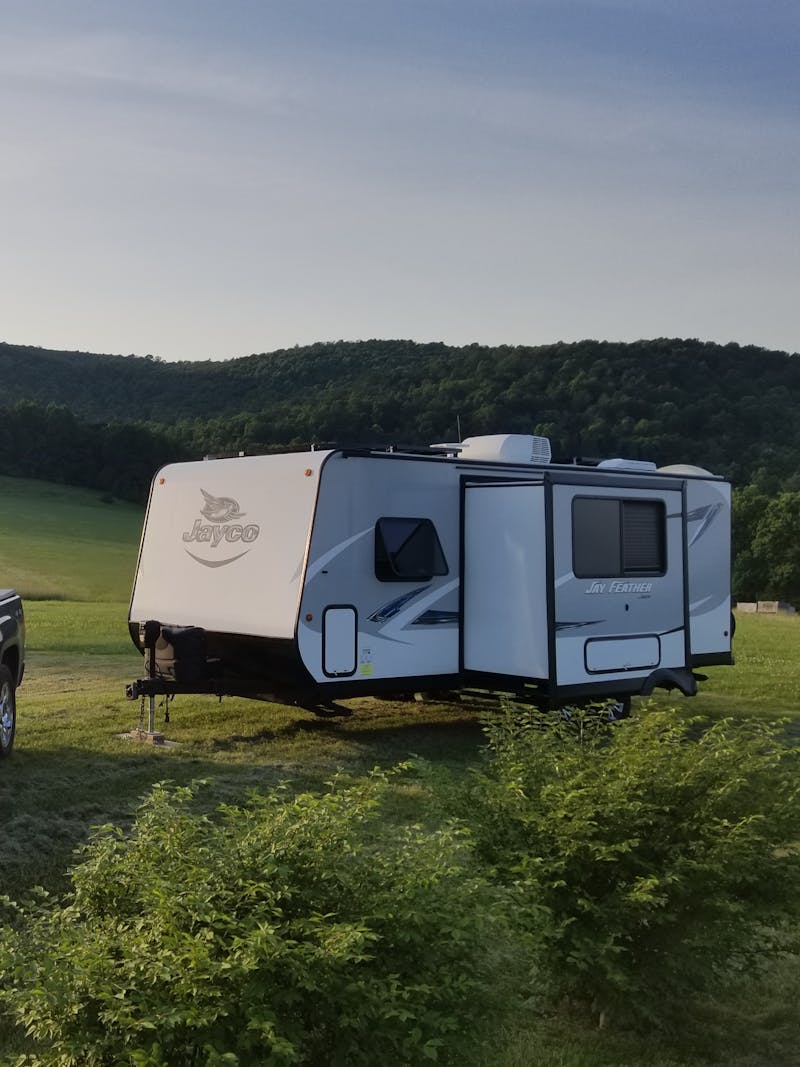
{"x": 708, "y": 539}
{"x": 398, "y": 627}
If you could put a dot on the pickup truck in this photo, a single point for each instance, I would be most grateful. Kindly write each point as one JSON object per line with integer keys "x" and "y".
{"x": 12, "y": 664}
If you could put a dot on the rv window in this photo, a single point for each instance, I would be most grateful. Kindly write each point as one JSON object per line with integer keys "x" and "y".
{"x": 407, "y": 550}
{"x": 617, "y": 538}
{"x": 643, "y": 537}
{"x": 596, "y": 549}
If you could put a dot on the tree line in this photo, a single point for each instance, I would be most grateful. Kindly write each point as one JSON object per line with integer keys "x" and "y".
{"x": 108, "y": 422}
{"x": 51, "y": 443}
{"x": 730, "y": 408}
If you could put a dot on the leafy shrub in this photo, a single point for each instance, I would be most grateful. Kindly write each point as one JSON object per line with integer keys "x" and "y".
{"x": 652, "y": 858}
{"x": 288, "y": 930}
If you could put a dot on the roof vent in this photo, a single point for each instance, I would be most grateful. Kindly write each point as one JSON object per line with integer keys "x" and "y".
{"x": 507, "y": 448}
{"x": 627, "y": 464}
{"x": 686, "y": 468}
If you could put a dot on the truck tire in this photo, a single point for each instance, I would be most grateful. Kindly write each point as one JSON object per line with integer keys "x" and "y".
{"x": 8, "y": 711}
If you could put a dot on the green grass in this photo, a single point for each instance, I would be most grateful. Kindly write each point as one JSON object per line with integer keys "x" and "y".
{"x": 59, "y": 543}
{"x": 68, "y": 626}
{"x": 72, "y": 768}
{"x": 765, "y": 680}
{"x": 766, "y": 677}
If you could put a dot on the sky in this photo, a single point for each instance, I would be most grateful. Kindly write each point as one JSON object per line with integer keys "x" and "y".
{"x": 204, "y": 180}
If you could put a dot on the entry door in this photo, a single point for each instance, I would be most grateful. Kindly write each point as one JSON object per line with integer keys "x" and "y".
{"x": 504, "y": 580}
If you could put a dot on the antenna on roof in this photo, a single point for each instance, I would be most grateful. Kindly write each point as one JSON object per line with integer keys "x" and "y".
{"x": 458, "y": 427}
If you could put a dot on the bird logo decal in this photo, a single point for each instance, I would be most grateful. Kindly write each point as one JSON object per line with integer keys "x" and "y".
{"x": 227, "y": 529}
{"x": 220, "y": 508}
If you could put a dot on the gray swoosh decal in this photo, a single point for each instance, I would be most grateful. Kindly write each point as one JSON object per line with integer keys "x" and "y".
{"x": 216, "y": 562}
{"x": 388, "y": 611}
{"x": 436, "y": 618}
{"x": 705, "y": 516}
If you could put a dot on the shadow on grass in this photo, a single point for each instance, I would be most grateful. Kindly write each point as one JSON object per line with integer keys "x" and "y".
{"x": 436, "y": 737}
{"x": 50, "y": 799}
{"x": 51, "y": 796}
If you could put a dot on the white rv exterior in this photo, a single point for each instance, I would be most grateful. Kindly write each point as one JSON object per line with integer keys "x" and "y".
{"x": 323, "y": 574}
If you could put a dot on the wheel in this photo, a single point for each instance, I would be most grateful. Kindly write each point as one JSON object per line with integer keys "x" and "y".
{"x": 8, "y": 711}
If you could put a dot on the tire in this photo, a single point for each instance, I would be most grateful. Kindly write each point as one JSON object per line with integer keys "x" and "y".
{"x": 8, "y": 711}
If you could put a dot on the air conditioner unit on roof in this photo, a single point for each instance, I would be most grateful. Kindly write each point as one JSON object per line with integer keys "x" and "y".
{"x": 507, "y": 448}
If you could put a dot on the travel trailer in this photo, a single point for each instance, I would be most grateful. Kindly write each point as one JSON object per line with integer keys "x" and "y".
{"x": 313, "y": 576}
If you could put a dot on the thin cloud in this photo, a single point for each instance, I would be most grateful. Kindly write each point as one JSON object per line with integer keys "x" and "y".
{"x": 196, "y": 183}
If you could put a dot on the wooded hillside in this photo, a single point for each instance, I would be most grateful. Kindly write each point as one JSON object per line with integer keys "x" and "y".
{"x": 109, "y": 422}
{"x": 733, "y": 409}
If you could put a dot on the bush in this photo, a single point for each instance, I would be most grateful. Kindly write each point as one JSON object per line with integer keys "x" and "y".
{"x": 652, "y": 858}
{"x": 283, "y": 931}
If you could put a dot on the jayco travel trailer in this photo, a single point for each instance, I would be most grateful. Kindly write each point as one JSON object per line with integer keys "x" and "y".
{"x": 313, "y": 576}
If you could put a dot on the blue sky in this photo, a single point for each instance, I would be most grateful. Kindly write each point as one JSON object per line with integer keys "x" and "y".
{"x": 205, "y": 180}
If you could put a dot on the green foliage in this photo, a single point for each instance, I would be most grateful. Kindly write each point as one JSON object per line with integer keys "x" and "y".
{"x": 71, "y": 770}
{"x": 767, "y": 546}
{"x": 777, "y": 544}
{"x": 288, "y": 930}
{"x": 670, "y": 400}
{"x": 652, "y": 860}
{"x": 52, "y": 444}
{"x": 749, "y": 577}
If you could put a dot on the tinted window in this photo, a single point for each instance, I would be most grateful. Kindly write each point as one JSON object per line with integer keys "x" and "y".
{"x": 643, "y": 537}
{"x": 596, "y": 547}
{"x": 617, "y": 538}
{"x": 407, "y": 550}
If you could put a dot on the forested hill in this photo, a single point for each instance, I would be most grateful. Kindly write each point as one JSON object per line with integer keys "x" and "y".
{"x": 731, "y": 408}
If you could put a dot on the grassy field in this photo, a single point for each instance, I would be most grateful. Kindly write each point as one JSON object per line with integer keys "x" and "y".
{"x": 73, "y": 768}
{"x": 66, "y": 544}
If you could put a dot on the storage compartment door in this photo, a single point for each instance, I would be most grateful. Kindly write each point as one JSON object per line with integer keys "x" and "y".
{"x": 504, "y": 581}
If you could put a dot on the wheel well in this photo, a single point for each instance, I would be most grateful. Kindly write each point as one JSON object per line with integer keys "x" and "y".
{"x": 11, "y": 660}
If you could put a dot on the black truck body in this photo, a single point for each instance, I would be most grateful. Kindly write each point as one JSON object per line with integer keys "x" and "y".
{"x": 12, "y": 664}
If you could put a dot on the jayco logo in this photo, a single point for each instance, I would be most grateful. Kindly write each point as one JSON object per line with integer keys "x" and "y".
{"x": 221, "y": 513}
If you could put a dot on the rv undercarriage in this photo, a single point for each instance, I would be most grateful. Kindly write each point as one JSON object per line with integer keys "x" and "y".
{"x": 177, "y": 664}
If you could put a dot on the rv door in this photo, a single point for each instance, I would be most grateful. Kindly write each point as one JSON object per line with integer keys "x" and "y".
{"x": 505, "y": 580}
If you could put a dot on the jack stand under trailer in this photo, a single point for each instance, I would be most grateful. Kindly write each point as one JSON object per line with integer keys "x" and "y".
{"x": 150, "y": 736}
